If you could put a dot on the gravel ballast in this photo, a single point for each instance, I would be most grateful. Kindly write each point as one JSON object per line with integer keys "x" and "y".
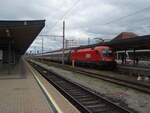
{"x": 124, "y": 96}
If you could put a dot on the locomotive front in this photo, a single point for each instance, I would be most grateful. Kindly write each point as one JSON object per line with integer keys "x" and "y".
{"x": 107, "y": 58}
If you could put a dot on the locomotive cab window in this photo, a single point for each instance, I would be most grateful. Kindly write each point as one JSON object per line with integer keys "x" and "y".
{"x": 107, "y": 52}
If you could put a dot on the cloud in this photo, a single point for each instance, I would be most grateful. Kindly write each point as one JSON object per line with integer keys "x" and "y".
{"x": 86, "y": 19}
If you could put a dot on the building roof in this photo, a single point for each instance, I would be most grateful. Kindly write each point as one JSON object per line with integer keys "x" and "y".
{"x": 125, "y": 35}
{"x": 139, "y": 42}
{"x": 22, "y": 33}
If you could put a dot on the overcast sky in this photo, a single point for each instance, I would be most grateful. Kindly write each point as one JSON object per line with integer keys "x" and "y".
{"x": 84, "y": 18}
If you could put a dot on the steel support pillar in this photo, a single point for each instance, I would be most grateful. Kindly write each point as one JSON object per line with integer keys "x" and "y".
{"x": 134, "y": 56}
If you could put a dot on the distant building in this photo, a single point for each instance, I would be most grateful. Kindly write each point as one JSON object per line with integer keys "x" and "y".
{"x": 102, "y": 40}
{"x": 73, "y": 43}
{"x": 125, "y": 35}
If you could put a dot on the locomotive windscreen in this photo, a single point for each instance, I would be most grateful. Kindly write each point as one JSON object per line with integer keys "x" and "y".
{"x": 107, "y": 52}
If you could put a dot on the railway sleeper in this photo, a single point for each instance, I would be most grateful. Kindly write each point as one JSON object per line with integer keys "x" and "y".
{"x": 98, "y": 105}
{"x": 83, "y": 96}
{"x": 91, "y": 102}
{"x": 86, "y": 99}
{"x": 102, "y": 110}
{"x": 78, "y": 94}
{"x": 66, "y": 85}
{"x": 72, "y": 90}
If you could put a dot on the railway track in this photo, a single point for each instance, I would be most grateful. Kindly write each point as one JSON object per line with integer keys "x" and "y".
{"x": 84, "y": 99}
{"x": 134, "y": 85}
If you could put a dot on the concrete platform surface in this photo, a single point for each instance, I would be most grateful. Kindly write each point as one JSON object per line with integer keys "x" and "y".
{"x": 20, "y": 93}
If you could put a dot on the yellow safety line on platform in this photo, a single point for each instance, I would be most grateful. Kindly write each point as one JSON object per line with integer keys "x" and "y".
{"x": 45, "y": 90}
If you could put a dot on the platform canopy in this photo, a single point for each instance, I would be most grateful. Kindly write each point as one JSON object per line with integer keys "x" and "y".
{"x": 21, "y": 34}
{"x": 139, "y": 42}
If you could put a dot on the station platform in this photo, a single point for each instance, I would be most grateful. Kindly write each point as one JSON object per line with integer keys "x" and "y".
{"x": 141, "y": 64}
{"x": 23, "y": 90}
{"x": 142, "y": 68}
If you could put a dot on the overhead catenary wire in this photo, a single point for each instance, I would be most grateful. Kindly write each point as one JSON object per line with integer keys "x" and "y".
{"x": 66, "y": 13}
{"x": 110, "y": 22}
{"x": 107, "y": 23}
{"x": 126, "y": 16}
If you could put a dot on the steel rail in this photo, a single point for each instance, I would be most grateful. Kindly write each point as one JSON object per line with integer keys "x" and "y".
{"x": 140, "y": 87}
{"x": 137, "y": 86}
{"x": 84, "y": 99}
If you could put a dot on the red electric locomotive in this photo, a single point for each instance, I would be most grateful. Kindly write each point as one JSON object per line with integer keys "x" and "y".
{"x": 101, "y": 56}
